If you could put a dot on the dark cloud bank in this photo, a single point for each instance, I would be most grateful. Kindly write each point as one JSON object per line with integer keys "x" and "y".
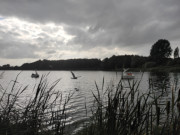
{"x": 104, "y": 23}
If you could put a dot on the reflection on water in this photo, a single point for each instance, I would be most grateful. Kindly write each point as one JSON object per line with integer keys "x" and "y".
{"x": 159, "y": 79}
{"x": 160, "y": 83}
{"x": 79, "y": 107}
{"x": 163, "y": 83}
{"x": 164, "y": 86}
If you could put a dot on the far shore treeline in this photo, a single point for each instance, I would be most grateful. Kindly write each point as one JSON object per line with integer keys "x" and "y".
{"x": 159, "y": 60}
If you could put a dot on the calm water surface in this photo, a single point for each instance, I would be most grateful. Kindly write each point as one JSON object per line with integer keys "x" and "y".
{"x": 86, "y": 85}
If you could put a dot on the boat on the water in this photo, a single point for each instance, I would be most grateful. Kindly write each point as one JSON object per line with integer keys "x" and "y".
{"x": 127, "y": 75}
{"x": 36, "y": 75}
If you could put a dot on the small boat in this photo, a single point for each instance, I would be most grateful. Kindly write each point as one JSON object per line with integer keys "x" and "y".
{"x": 127, "y": 75}
{"x": 73, "y": 76}
{"x": 36, "y": 75}
{"x": 76, "y": 89}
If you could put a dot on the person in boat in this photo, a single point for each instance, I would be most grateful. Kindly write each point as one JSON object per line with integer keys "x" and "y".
{"x": 36, "y": 75}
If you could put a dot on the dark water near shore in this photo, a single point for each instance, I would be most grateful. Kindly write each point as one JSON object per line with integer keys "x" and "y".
{"x": 85, "y": 85}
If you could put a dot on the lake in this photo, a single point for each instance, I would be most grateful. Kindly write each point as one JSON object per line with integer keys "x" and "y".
{"x": 85, "y": 85}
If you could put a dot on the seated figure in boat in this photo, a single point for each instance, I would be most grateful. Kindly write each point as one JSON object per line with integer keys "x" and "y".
{"x": 36, "y": 75}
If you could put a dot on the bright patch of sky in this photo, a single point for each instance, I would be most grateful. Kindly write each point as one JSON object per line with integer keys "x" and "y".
{"x": 31, "y": 32}
{"x": 44, "y": 41}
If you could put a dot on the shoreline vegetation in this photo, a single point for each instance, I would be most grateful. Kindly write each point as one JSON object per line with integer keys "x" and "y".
{"x": 169, "y": 69}
{"x": 114, "y": 63}
{"x": 117, "y": 110}
{"x": 131, "y": 113}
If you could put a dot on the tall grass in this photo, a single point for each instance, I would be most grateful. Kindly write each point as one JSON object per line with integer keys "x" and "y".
{"x": 43, "y": 114}
{"x": 126, "y": 111}
{"x": 117, "y": 110}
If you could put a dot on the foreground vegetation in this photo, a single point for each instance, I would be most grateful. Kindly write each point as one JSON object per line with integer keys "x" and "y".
{"x": 129, "y": 112}
{"x": 118, "y": 110}
{"x": 43, "y": 113}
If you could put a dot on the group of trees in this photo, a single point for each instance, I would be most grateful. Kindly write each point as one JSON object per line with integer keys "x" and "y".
{"x": 112, "y": 63}
{"x": 162, "y": 49}
{"x": 159, "y": 55}
{"x": 71, "y": 64}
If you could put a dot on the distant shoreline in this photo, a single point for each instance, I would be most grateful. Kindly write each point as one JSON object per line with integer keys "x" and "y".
{"x": 115, "y": 63}
{"x": 153, "y": 69}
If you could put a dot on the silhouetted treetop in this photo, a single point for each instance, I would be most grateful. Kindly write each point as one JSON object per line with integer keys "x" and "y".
{"x": 161, "y": 49}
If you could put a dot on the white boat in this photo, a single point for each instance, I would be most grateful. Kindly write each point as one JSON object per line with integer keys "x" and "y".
{"x": 36, "y": 75}
{"x": 127, "y": 75}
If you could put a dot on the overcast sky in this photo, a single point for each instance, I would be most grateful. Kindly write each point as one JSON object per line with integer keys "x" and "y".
{"x": 61, "y": 29}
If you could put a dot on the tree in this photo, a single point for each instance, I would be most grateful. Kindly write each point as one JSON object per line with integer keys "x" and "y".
{"x": 176, "y": 53}
{"x": 161, "y": 49}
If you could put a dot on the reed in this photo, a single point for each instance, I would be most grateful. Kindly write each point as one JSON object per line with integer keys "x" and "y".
{"x": 44, "y": 112}
{"x": 117, "y": 110}
{"x": 126, "y": 111}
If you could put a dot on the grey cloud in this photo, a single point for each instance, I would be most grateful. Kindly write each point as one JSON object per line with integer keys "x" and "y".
{"x": 61, "y": 55}
{"x": 103, "y": 22}
{"x": 51, "y": 52}
{"x": 8, "y": 35}
{"x": 133, "y": 24}
{"x": 16, "y": 50}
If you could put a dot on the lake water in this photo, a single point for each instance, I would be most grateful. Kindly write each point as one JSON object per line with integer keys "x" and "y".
{"x": 85, "y": 85}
